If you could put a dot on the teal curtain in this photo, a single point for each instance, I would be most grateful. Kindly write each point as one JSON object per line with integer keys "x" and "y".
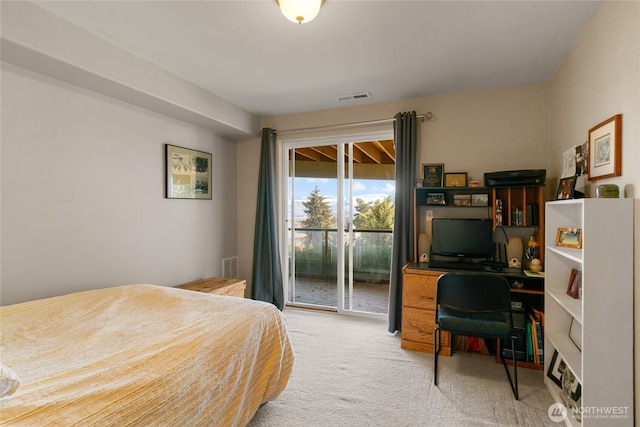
{"x": 267, "y": 272}
{"x": 405, "y": 138}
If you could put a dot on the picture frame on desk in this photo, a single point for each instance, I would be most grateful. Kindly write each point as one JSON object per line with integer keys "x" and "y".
{"x": 432, "y": 174}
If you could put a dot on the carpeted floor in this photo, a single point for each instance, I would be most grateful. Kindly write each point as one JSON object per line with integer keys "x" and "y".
{"x": 349, "y": 371}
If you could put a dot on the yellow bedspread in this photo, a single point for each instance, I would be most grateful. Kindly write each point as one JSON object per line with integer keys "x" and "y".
{"x": 142, "y": 355}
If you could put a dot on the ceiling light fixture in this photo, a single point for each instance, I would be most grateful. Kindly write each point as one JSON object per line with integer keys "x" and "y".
{"x": 300, "y": 11}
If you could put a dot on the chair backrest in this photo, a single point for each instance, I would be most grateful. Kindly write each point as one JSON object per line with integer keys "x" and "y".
{"x": 474, "y": 292}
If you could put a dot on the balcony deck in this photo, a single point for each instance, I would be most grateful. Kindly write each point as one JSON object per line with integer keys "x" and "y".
{"x": 367, "y": 297}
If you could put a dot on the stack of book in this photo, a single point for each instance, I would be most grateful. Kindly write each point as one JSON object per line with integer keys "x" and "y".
{"x": 535, "y": 338}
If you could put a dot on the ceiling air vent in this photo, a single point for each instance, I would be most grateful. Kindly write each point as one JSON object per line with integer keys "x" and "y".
{"x": 354, "y": 97}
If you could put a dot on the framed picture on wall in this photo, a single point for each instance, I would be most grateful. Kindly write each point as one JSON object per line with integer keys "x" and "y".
{"x": 605, "y": 149}
{"x": 188, "y": 173}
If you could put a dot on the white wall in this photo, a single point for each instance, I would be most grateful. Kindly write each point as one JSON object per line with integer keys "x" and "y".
{"x": 36, "y": 39}
{"x": 83, "y": 202}
{"x": 598, "y": 79}
{"x": 478, "y": 132}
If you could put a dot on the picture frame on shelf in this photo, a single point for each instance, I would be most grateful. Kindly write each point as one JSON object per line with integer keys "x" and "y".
{"x": 436, "y": 199}
{"x": 575, "y": 333}
{"x": 569, "y": 237}
{"x": 576, "y": 391}
{"x": 188, "y": 173}
{"x": 566, "y": 188}
{"x": 480, "y": 200}
{"x": 462, "y": 200}
{"x": 455, "y": 179}
{"x": 571, "y": 389}
{"x": 432, "y": 174}
{"x": 573, "y": 288}
{"x": 605, "y": 149}
{"x": 418, "y": 183}
{"x": 556, "y": 368}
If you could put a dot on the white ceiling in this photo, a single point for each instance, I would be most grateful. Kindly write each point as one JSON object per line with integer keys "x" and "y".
{"x": 248, "y": 53}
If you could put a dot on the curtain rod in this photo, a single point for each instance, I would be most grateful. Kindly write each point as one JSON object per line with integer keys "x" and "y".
{"x": 422, "y": 117}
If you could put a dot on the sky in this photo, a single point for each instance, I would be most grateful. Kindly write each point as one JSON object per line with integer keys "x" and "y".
{"x": 365, "y": 189}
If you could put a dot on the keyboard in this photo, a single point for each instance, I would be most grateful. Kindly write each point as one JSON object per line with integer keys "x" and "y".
{"x": 456, "y": 265}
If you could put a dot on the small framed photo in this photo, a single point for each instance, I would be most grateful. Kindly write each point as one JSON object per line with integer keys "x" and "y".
{"x": 188, "y": 173}
{"x": 418, "y": 183}
{"x": 566, "y": 188}
{"x": 432, "y": 174}
{"x": 436, "y": 199}
{"x": 571, "y": 389}
{"x": 479, "y": 200}
{"x": 455, "y": 179}
{"x": 575, "y": 333}
{"x": 556, "y": 369}
{"x": 462, "y": 200}
{"x": 605, "y": 149}
{"x": 573, "y": 287}
{"x": 569, "y": 237}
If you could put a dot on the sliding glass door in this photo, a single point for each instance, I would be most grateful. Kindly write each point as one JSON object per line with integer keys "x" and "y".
{"x": 339, "y": 215}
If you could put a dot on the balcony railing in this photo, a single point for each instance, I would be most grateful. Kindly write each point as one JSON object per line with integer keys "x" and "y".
{"x": 315, "y": 254}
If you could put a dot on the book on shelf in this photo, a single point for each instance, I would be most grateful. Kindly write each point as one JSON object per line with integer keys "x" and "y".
{"x": 529, "y": 343}
{"x": 540, "y": 315}
{"x": 536, "y": 318}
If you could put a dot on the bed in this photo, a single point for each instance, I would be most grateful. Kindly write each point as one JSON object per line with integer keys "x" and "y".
{"x": 142, "y": 355}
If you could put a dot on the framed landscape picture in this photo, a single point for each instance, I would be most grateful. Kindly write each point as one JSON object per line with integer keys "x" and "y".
{"x": 188, "y": 173}
{"x": 480, "y": 200}
{"x": 569, "y": 237}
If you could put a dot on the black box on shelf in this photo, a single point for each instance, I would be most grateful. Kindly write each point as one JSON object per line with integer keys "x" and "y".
{"x": 522, "y": 177}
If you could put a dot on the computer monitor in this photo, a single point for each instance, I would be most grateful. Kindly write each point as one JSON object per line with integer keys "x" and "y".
{"x": 462, "y": 238}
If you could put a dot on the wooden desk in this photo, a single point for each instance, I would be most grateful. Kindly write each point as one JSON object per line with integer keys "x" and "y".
{"x": 419, "y": 302}
{"x": 418, "y": 311}
{"x": 217, "y": 286}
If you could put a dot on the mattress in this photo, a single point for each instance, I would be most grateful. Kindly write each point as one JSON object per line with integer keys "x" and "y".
{"x": 142, "y": 355}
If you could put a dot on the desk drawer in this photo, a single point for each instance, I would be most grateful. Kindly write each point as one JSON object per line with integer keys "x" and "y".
{"x": 419, "y": 291}
{"x": 418, "y": 326}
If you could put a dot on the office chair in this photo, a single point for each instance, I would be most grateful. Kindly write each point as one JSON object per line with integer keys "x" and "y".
{"x": 476, "y": 305}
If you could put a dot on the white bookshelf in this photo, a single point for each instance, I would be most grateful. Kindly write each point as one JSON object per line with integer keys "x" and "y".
{"x": 604, "y": 367}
